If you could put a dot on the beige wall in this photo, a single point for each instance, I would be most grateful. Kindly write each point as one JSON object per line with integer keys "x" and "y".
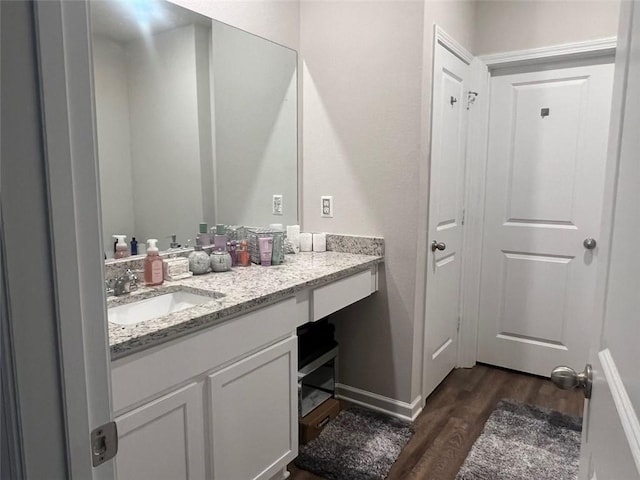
{"x": 366, "y": 80}
{"x": 361, "y": 144}
{"x": 518, "y": 25}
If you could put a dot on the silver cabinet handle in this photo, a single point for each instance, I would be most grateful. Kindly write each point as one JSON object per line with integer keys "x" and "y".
{"x": 435, "y": 245}
{"x": 590, "y": 243}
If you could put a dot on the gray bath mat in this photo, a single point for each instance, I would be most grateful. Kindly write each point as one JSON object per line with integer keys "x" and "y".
{"x": 523, "y": 442}
{"x": 358, "y": 444}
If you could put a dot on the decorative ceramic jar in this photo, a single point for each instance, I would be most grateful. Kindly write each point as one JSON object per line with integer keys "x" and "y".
{"x": 220, "y": 261}
{"x": 199, "y": 261}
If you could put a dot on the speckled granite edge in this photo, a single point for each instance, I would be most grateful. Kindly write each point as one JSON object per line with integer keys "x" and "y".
{"x": 355, "y": 244}
{"x": 244, "y": 290}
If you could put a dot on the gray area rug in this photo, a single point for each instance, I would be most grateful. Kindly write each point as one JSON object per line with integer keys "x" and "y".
{"x": 358, "y": 444}
{"x": 524, "y": 442}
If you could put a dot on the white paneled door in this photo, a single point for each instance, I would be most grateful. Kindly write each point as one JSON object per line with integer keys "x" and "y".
{"x": 548, "y": 133}
{"x": 446, "y": 197}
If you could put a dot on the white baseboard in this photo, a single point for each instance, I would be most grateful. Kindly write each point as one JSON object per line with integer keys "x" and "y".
{"x": 390, "y": 406}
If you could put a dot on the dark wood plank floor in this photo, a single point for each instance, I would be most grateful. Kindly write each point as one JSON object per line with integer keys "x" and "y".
{"x": 456, "y": 413}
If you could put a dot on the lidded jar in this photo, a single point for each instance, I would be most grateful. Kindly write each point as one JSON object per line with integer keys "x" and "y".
{"x": 198, "y": 261}
{"x": 220, "y": 261}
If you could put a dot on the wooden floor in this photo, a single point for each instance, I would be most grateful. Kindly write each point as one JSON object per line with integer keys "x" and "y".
{"x": 454, "y": 417}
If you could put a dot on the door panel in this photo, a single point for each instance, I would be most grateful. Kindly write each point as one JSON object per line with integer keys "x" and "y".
{"x": 252, "y": 435}
{"x": 539, "y": 311}
{"x": 611, "y": 439}
{"x": 163, "y": 439}
{"x": 544, "y": 150}
{"x": 545, "y": 185}
{"x": 446, "y": 196}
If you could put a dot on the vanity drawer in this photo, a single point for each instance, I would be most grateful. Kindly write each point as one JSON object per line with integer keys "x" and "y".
{"x": 336, "y": 295}
{"x": 141, "y": 376}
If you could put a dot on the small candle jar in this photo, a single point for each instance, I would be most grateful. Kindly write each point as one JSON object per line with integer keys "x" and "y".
{"x": 220, "y": 261}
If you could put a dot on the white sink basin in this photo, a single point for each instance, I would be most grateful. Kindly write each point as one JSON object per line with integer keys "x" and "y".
{"x": 154, "y": 307}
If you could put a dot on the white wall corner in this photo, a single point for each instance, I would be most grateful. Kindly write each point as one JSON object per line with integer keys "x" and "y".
{"x": 380, "y": 403}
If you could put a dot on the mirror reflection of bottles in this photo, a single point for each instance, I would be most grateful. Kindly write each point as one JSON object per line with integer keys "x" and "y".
{"x": 120, "y": 248}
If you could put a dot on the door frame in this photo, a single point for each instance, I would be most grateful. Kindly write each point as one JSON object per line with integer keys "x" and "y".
{"x": 69, "y": 123}
{"x": 482, "y": 71}
{"x": 74, "y": 332}
{"x": 443, "y": 39}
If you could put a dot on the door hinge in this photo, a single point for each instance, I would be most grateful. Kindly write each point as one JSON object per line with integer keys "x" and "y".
{"x": 464, "y": 211}
{"x": 104, "y": 443}
{"x": 459, "y": 321}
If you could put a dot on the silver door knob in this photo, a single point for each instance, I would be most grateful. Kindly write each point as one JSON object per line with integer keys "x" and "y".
{"x": 566, "y": 378}
{"x": 435, "y": 245}
{"x": 590, "y": 243}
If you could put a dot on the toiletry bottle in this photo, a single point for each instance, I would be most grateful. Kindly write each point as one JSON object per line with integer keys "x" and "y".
{"x": 134, "y": 246}
{"x": 153, "y": 274}
{"x": 277, "y": 253}
{"x": 231, "y": 248}
{"x": 203, "y": 237}
{"x": 121, "y": 249}
{"x": 220, "y": 238}
{"x": 265, "y": 246}
{"x": 244, "y": 258}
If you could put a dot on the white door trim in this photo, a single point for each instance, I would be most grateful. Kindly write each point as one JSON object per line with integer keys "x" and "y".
{"x": 482, "y": 70}
{"x": 447, "y": 41}
{"x": 627, "y": 413}
{"x": 66, "y": 82}
{"x": 565, "y": 51}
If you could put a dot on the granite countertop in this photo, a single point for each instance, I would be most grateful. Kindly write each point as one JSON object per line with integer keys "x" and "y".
{"x": 244, "y": 289}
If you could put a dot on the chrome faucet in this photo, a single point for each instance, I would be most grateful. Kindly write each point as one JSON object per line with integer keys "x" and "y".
{"x": 125, "y": 283}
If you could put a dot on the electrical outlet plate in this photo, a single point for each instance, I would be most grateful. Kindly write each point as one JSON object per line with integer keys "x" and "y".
{"x": 277, "y": 205}
{"x": 326, "y": 206}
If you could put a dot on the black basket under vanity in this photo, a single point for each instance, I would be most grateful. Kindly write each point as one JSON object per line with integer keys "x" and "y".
{"x": 317, "y": 355}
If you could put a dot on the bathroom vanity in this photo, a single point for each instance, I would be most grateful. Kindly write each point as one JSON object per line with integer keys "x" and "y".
{"x": 211, "y": 391}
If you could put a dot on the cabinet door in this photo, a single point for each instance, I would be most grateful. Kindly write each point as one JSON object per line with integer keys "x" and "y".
{"x": 163, "y": 439}
{"x": 254, "y": 417}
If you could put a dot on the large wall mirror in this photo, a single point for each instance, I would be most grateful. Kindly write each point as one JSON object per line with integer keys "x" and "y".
{"x": 196, "y": 121}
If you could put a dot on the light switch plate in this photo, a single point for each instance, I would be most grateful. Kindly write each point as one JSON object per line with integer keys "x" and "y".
{"x": 277, "y": 205}
{"x": 326, "y": 206}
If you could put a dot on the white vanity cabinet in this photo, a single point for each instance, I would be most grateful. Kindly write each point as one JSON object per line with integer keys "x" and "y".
{"x": 219, "y": 404}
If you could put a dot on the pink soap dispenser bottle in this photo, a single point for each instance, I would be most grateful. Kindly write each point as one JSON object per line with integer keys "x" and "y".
{"x": 153, "y": 274}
